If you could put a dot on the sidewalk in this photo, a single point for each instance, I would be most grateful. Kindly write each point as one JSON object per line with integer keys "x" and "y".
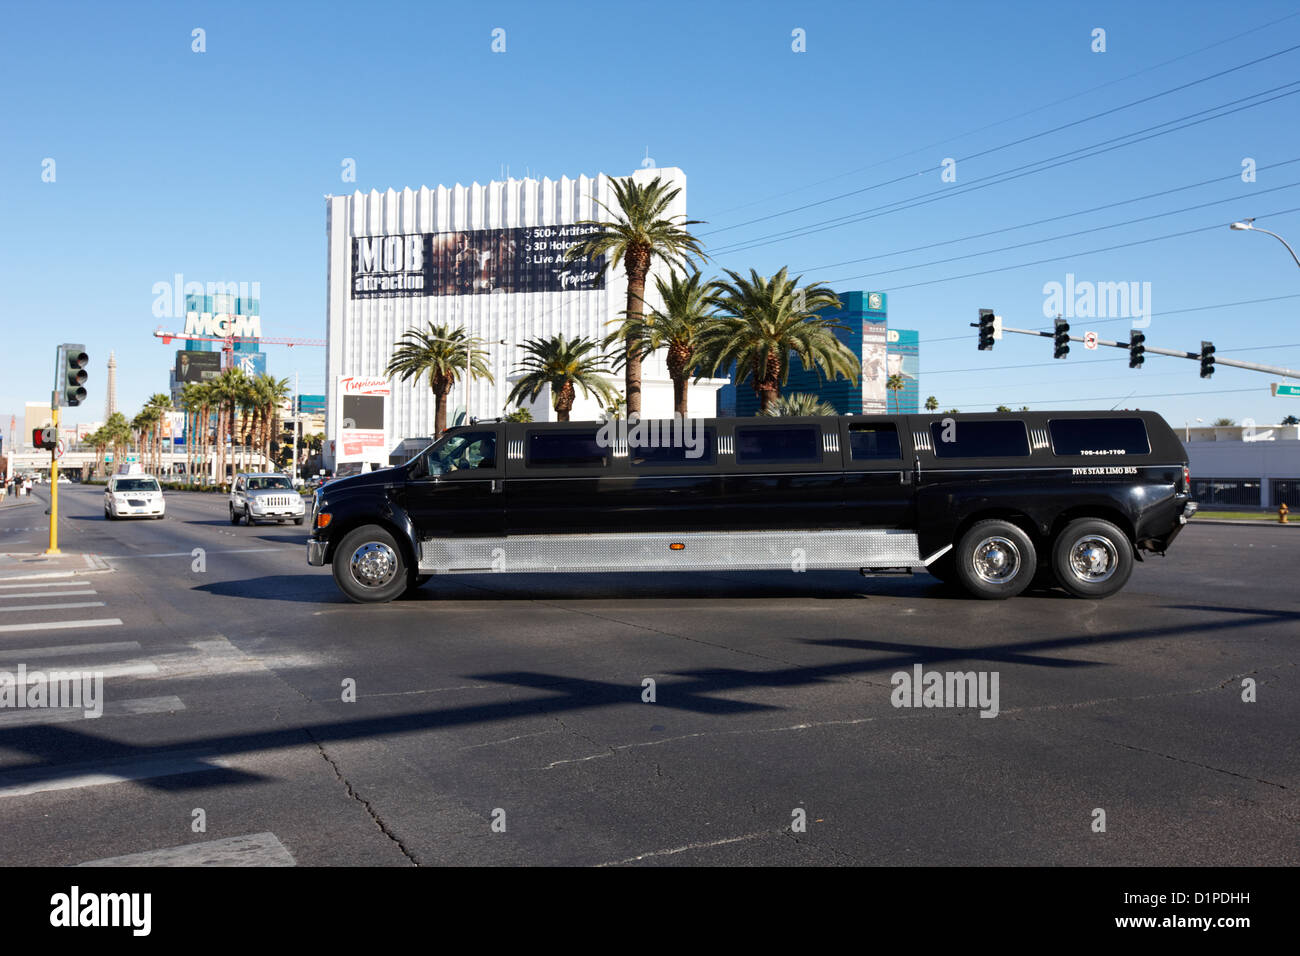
{"x": 20, "y": 566}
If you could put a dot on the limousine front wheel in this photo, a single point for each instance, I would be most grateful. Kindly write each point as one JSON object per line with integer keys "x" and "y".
{"x": 1092, "y": 558}
{"x": 995, "y": 559}
{"x": 368, "y": 565}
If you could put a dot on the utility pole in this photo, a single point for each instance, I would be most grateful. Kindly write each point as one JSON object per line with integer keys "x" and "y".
{"x": 297, "y": 411}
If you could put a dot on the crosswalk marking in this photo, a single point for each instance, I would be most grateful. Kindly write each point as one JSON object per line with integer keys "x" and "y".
{"x": 65, "y": 650}
{"x": 45, "y": 584}
{"x": 254, "y": 849}
{"x": 50, "y": 607}
{"x": 29, "y": 780}
{"x": 56, "y": 625}
{"x": 113, "y": 708}
{"x": 129, "y": 669}
{"x": 44, "y": 594}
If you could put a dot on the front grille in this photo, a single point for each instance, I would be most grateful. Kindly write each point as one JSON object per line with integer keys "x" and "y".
{"x": 276, "y": 501}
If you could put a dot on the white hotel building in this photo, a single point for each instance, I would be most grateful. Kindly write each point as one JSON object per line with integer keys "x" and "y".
{"x": 468, "y": 256}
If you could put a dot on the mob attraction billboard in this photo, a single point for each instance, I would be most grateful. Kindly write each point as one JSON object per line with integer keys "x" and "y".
{"x": 474, "y": 262}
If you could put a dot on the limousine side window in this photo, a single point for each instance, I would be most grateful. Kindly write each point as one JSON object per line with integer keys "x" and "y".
{"x": 996, "y": 439}
{"x": 675, "y": 453}
{"x": 566, "y": 449}
{"x": 872, "y": 441}
{"x": 795, "y": 444}
{"x": 1099, "y": 436}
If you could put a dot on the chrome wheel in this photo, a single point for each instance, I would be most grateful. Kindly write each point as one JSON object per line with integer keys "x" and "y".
{"x": 1093, "y": 558}
{"x": 373, "y": 565}
{"x": 996, "y": 560}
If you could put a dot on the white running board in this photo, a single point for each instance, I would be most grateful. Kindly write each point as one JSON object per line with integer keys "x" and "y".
{"x": 661, "y": 551}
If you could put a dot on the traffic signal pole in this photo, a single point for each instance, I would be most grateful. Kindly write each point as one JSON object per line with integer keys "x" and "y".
{"x": 1176, "y": 353}
{"x": 54, "y": 483}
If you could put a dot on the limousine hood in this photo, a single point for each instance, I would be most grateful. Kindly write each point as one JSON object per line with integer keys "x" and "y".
{"x": 367, "y": 480}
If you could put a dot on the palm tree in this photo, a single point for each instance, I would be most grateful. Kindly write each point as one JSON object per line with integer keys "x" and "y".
{"x": 229, "y": 389}
{"x": 931, "y": 404}
{"x": 440, "y": 354}
{"x": 687, "y": 312}
{"x": 273, "y": 393}
{"x": 565, "y": 365}
{"x": 157, "y": 406}
{"x": 637, "y": 233}
{"x": 763, "y": 320}
{"x": 895, "y": 384}
{"x": 799, "y": 403}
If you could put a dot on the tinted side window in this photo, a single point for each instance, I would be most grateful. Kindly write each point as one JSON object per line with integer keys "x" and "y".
{"x": 566, "y": 449}
{"x": 778, "y": 446}
{"x": 695, "y": 448}
{"x": 1099, "y": 436}
{"x": 871, "y": 442}
{"x": 999, "y": 439}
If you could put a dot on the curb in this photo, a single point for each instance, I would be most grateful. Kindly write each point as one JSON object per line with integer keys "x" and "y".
{"x": 1248, "y": 522}
{"x": 65, "y": 566}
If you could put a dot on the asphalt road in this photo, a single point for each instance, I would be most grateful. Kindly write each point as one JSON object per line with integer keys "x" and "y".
{"x": 518, "y": 700}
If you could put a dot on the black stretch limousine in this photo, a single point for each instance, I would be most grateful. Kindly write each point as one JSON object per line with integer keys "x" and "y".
{"x": 991, "y": 502}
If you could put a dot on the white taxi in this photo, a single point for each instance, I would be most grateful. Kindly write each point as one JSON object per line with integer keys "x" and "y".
{"x": 133, "y": 495}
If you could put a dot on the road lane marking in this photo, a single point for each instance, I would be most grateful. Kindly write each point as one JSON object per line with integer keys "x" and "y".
{"x": 50, "y": 607}
{"x": 66, "y": 650}
{"x": 55, "y": 625}
{"x": 114, "y": 708}
{"x": 254, "y": 849}
{"x": 29, "y": 780}
{"x": 184, "y": 554}
{"x": 45, "y": 594}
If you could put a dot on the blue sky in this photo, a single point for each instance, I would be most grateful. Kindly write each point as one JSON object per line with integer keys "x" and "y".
{"x": 215, "y": 164}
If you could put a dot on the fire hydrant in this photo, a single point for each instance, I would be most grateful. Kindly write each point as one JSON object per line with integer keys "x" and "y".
{"x": 1282, "y": 512}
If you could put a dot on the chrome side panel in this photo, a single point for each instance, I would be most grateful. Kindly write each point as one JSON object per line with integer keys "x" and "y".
{"x": 740, "y": 550}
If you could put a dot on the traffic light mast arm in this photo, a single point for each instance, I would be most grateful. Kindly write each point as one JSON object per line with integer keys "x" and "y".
{"x": 1176, "y": 353}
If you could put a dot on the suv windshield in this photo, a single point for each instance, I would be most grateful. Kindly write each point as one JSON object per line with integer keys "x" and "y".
{"x": 136, "y": 484}
{"x": 264, "y": 483}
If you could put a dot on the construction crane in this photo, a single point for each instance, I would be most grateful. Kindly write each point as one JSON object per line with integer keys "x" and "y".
{"x": 228, "y": 342}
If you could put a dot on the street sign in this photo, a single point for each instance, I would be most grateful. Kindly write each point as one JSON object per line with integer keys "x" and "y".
{"x": 1090, "y": 340}
{"x": 1285, "y": 389}
{"x": 59, "y": 449}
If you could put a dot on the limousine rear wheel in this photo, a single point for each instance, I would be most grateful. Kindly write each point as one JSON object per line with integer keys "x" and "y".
{"x": 995, "y": 559}
{"x": 1092, "y": 558}
{"x": 368, "y": 565}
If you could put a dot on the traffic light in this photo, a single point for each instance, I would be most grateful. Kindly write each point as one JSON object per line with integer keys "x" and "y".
{"x": 74, "y": 365}
{"x": 1207, "y": 359}
{"x": 1062, "y": 339}
{"x": 986, "y": 330}
{"x": 46, "y": 438}
{"x": 1136, "y": 350}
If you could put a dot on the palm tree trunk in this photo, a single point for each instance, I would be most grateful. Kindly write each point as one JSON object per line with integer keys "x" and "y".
{"x": 679, "y": 396}
{"x": 564, "y": 402}
{"x": 439, "y": 413}
{"x": 637, "y": 264}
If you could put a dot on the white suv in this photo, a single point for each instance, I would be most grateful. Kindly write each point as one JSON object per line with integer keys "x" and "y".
{"x": 265, "y": 497}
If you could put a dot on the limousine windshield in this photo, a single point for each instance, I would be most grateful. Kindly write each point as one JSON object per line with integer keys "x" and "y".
{"x": 992, "y": 503}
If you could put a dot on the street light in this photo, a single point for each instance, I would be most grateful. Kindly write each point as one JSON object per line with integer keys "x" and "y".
{"x": 1187, "y": 428}
{"x": 1249, "y": 225}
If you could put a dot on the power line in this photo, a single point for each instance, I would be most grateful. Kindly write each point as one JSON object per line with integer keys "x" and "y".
{"x": 1071, "y": 235}
{"x": 1039, "y": 222}
{"x": 1015, "y": 172}
{"x": 1016, "y": 142}
{"x": 1037, "y": 262}
{"x": 1002, "y": 122}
